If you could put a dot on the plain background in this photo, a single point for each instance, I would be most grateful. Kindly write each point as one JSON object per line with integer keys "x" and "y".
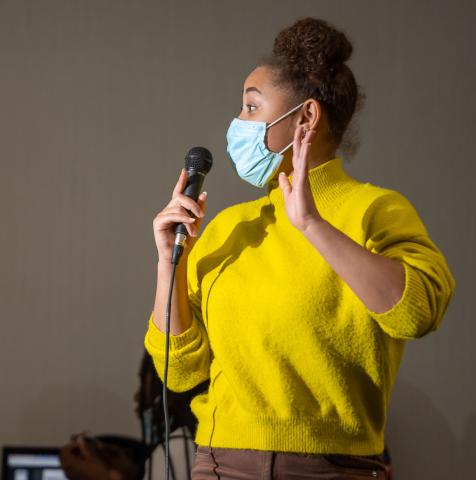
{"x": 99, "y": 103}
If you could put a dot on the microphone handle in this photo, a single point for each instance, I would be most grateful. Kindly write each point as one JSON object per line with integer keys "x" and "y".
{"x": 192, "y": 190}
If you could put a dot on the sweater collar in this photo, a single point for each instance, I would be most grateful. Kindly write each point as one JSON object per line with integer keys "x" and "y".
{"x": 329, "y": 181}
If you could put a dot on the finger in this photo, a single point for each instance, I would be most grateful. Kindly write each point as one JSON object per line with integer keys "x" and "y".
{"x": 284, "y": 184}
{"x": 297, "y": 143}
{"x": 189, "y": 204}
{"x": 85, "y": 433}
{"x": 181, "y": 183}
{"x": 83, "y": 448}
{"x": 166, "y": 219}
{"x": 302, "y": 166}
{"x": 190, "y": 230}
{"x": 302, "y": 177}
{"x": 304, "y": 158}
{"x": 65, "y": 452}
{"x": 310, "y": 134}
{"x": 202, "y": 198}
{"x": 298, "y": 173}
{"x": 304, "y": 152}
{"x": 175, "y": 209}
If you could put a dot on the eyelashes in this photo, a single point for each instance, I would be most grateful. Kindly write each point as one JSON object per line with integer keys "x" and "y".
{"x": 247, "y": 105}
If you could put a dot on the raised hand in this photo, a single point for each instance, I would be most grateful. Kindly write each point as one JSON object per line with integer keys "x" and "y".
{"x": 298, "y": 198}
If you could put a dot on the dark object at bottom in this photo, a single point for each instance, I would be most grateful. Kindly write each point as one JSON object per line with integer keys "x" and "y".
{"x": 244, "y": 464}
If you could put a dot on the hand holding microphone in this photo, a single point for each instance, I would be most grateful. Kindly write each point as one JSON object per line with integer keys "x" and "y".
{"x": 186, "y": 208}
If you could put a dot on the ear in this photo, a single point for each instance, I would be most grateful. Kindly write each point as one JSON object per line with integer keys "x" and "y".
{"x": 311, "y": 114}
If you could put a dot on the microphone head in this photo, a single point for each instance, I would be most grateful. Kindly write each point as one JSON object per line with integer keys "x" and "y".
{"x": 200, "y": 159}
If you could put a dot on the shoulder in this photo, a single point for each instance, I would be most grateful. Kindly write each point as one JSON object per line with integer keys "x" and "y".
{"x": 369, "y": 199}
{"x": 376, "y": 208}
{"x": 370, "y": 193}
{"x": 390, "y": 208}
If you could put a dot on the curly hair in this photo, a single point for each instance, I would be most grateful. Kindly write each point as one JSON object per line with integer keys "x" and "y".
{"x": 308, "y": 59}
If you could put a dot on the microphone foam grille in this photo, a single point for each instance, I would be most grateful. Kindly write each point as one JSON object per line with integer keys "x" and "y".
{"x": 199, "y": 158}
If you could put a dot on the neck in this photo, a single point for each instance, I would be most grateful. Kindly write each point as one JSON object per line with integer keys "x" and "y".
{"x": 328, "y": 182}
{"x": 321, "y": 159}
{"x": 316, "y": 158}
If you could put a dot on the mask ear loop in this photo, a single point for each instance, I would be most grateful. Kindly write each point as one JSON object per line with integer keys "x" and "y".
{"x": 285, "y": 148}
{"x": 285, "y": 115}
{"x": 280, "y": 118}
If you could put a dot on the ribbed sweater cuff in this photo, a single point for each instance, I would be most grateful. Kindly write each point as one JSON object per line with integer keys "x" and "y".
{"x": 155, "y": 338}
{"x": 410, "y": 317}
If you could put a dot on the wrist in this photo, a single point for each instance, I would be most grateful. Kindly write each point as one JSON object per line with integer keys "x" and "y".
{"x": 165, "y": 265}
{"x": 313, "y": 224}
{"x": 314, "y": 227}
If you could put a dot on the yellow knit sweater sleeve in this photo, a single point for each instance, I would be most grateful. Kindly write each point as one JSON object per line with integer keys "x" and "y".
{"x": 189, "y": 352}
{"x": 395, "y": 230}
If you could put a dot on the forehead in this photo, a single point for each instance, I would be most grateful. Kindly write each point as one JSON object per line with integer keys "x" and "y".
{"x": 260, "y": 78}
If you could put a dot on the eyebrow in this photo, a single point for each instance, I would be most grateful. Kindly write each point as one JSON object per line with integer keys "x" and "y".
{"x": 252, "y": 89}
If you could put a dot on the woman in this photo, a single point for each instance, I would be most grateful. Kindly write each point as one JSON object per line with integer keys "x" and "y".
{"x": 296, "y": 305}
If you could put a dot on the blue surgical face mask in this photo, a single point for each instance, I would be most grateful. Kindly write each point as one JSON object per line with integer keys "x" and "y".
{"x": 247, "y": 150}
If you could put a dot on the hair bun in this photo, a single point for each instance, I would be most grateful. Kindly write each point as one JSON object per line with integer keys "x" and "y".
{"x": 312, "y": 45}
{"x": 308, "y": 62}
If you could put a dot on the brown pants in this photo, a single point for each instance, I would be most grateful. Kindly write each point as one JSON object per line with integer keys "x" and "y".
{"x": 243, "y": 464}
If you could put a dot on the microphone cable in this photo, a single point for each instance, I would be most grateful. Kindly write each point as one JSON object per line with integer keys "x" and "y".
{"x": 166, "y": 367}
{"x": 198, "y": 163}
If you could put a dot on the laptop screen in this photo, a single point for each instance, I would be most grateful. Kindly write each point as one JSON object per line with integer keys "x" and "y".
{"x": 32, "y": 463}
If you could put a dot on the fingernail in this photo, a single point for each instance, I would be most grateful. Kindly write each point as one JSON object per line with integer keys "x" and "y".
{"x": 205, "y": 193}
{"x": 282, "y": 173}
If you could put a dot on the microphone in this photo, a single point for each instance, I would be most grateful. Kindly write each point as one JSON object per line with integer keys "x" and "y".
{"x": 198, "y": 163}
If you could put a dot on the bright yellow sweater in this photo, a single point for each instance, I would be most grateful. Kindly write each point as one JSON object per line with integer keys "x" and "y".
{"x": 296, "y": 360}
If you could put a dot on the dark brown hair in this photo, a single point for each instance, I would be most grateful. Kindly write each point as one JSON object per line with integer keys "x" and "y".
{"x": 308, "y": 59}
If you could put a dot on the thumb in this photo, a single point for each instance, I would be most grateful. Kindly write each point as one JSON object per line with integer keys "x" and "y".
{"x": 284, "y": 184}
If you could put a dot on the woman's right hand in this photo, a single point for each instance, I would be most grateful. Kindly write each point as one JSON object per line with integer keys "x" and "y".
{"x": 176, "y": 212}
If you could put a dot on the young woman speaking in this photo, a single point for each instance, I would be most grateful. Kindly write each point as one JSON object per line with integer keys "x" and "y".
{"x": 297, "y": 306}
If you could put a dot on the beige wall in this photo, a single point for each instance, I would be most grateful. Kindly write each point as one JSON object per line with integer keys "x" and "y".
{"x": 100, "y": 101}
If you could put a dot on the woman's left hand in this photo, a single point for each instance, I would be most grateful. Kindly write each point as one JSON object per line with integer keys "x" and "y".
{"x": 299, "y": 202}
